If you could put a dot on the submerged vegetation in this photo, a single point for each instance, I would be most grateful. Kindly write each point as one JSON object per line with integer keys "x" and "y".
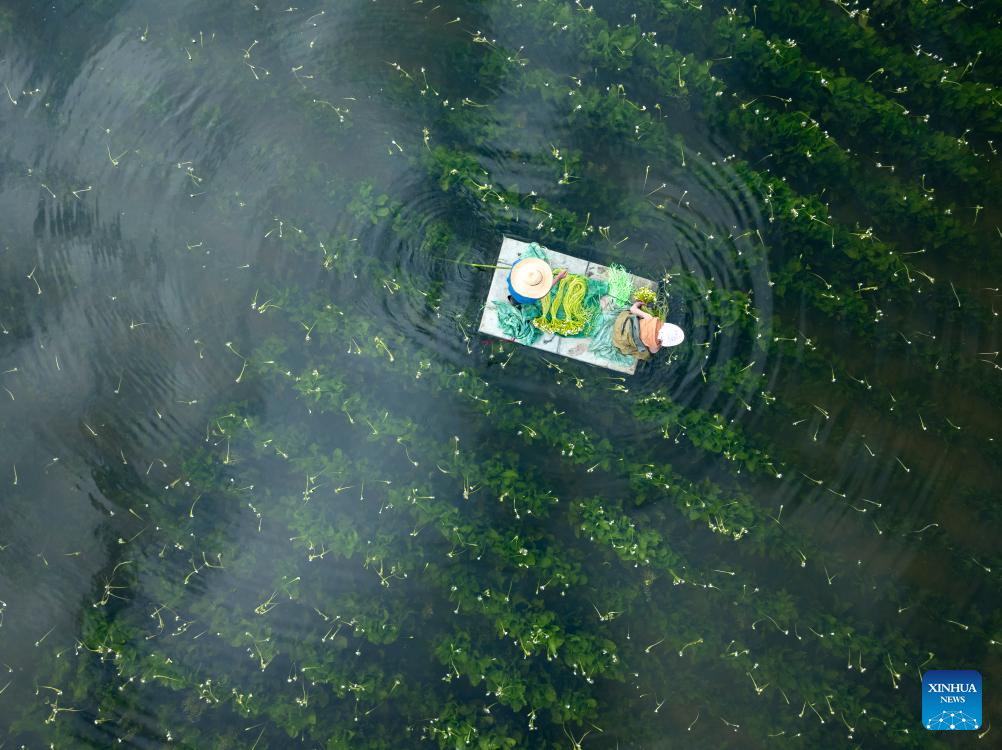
{"x": 387, "y": 532}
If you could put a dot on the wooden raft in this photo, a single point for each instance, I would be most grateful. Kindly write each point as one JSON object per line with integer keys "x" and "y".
{"x": 572, "y": 348}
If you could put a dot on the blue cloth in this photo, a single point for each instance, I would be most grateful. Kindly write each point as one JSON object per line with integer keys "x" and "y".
{"x": 519, "y": 298}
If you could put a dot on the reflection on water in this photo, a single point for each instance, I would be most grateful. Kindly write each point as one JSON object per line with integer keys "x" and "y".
{"x": 266, "y": 483}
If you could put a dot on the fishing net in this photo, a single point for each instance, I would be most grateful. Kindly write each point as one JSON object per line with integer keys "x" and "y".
{"x": 601, "y": 339}
{"x": 593, "y": 301}
{"x": 516, "y": 322}
{"x": 535, "y": 251}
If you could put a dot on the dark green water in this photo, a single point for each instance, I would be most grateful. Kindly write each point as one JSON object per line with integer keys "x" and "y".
{"x": 265, "y": 486}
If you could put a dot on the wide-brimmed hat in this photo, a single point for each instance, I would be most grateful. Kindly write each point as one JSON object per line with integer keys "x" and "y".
{"x": 670, "y": 335}
{"x": 532, "y": 277}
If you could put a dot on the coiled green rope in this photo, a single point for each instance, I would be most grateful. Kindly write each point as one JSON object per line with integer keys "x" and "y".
{"x": 564, "y": 311}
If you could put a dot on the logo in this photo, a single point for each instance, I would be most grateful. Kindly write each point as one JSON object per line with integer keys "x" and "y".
{"x": 951, "y": 699}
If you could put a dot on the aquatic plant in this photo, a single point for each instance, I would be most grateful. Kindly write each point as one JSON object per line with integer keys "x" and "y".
{"x": 645, "y": 295}
{"x": 869, "y": 120}
{"x": 744, "y": 370}
{"x": 967, "y": 30}
{"x": 924, "y": 81}
{"x": 390, "y": 533}
{"x": 537, "y": 430}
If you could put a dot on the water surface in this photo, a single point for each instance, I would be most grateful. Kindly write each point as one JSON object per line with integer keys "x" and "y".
{"x": 266, "y": 486}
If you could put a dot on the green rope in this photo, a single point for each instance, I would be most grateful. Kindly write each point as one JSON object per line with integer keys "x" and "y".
{"x": 564, "y": 311}
{"x": 620, "y": 285}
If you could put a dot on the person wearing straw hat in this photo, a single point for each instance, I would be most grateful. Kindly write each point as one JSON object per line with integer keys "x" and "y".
{"x": 529, "y": 280}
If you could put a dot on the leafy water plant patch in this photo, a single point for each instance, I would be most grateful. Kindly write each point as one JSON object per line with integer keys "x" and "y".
{"x": 267, "y": 487}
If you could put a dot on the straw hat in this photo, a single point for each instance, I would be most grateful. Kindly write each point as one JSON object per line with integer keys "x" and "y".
{"x": 670, "y": 335}
{"x": 532, "y": 277}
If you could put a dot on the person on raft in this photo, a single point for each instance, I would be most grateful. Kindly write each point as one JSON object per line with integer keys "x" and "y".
{"x": 529, "y": 280}
{"x": 637, "y": 333}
